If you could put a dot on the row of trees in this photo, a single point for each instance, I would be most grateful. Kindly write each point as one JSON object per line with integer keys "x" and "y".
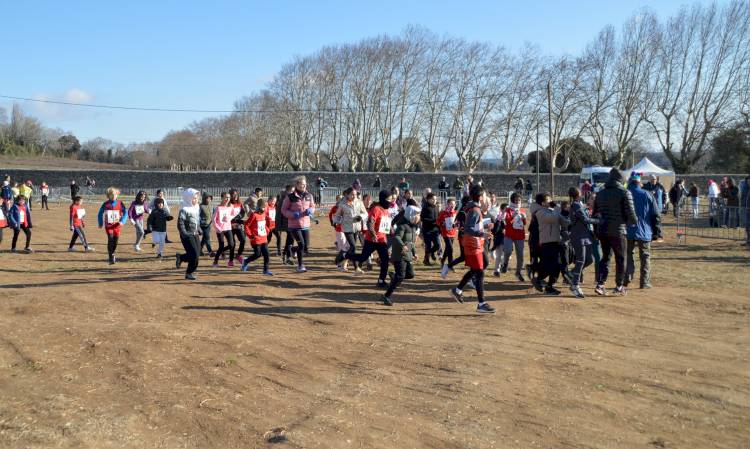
{"x": 410, "y": 102}
{"x": 21, "y": 134}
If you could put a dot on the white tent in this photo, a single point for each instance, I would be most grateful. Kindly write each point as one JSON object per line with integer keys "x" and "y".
{"x": 648, "y": 168}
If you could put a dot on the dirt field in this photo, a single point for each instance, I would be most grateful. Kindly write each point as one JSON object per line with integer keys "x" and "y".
{"x": 132, "y": 356}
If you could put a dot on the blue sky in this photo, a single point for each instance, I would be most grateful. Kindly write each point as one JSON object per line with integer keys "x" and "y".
{"x": 205, "y": 55}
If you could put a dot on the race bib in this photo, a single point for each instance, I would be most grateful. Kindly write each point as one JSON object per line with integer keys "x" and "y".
{"x": 139, "y": 209}
{"x": 449, "y": 222}
{"x": 225, "y": 214}
{"x": 517, "y": 221}
{"x": 235, "y": 211}
{"x": 272, "y": 214}
{"x": 113, "y": 216}
{"x": 2, "y": 215}
{"x": 385, "y": 225}
{"x": 21, "y": 216}
{"x": 45, "y": 192}
{"x": 80, "y": 213}
{"x": 262, "y": 228}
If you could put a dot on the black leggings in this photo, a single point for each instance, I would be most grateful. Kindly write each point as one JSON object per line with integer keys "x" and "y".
{"x": 351, "y": 240}
{"x": 192, "y": 250}
{"x": 206, "y": 239}
{"x": 401, "y": 270}
{"x": 460, "y": 258}
{"x": 223, "y": 247}
{"x": 367, "y": 250}
{"x": 447, "y": 250}
{"x": 78, "y": 234}
{"x": 26, "y": 231}
{"x": 478, "y": 277}
{"x": 288, "y": 242}
{"x": 239, "y": 235}
{"x": 301, "y": 238}
{"x": 258, "y": 251}
{"x": 275, "y": 233}
{"x": 112, "y": 244}
{"x": 44, "y": 205}
{"x": 550, "y": 263}
{"x": 431, "y": 244}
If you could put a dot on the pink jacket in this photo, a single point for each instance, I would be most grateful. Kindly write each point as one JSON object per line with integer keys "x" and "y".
{"x": 226, "y": 213}
{"x": 302, "y": 206}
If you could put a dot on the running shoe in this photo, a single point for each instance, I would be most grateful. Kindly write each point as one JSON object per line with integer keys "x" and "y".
{"x": 577, "y": 292}
{"x": 551, "y": 291}
{"x": 519, "y": 276}
{"x": 483, "y": 307}
{"x": 267, "y": 273}
{"x": 245, "y": 268}
{"x": 620, "y": 290}
{"x": 496, "y": 273}
{"x": 537, "y": 284}
{"x": 301, "y": 269}
{"x": 600, "y": 290}
{"x": 457, "y": 295}
{"x": 381, "y": 284}
{"x": 230, "y": 264}
{"x": 386, "y": 301}
{"x": 89, "y": 249}
{"x": 190, "y": 277}
{"x": 216, "y": 265}
{"x": 177, "y": 260}
{"x": 72, "y": 250}
{"x": 504, "y": 268}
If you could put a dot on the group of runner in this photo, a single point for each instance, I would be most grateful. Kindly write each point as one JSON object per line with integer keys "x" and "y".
{"x": 564, "y": 237}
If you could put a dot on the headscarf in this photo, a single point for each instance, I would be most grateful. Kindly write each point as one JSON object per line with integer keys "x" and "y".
{"x": 383, "y": 199}
{"x": 187, "y": 201}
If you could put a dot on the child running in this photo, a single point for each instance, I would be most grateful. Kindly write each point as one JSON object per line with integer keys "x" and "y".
{"x": 206, "y": 215}
{"x": 378, "y": 228}
{"x": 138, "y": 208}
{"x": 257, "y": 231}
{"x": 222, "y": 220}
{"x": 498, "y": 239}
{"x": 238, "y": 218}
{"x": 448, "y": 230}
{"x": 271, "y": 223}
{"x": 156, "y": 225}
{"x": 19, "y": 218}
{"x": 402, "y": 250}
{"x": 112, "y": 216}
{"x": 188, "y": 223}
{"x": 77, "y": 214}
{"x": 475, "y": 257}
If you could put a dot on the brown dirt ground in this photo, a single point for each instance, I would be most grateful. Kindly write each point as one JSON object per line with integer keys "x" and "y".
{"x": 93, "y": 356}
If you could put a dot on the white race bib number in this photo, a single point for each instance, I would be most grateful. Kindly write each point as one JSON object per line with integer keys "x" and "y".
{"x": 80, "y": 213}
{"x": 385, "y": 225}
{"x": 449, "y": 221}
{"x": 45, "y": 192}
{"x": 262, "y": 228}
{"x": 113, "y": 216}
{"x": 272, "y": 214}
{"x": 517, "y": 221}
{"x": 224, "y": 214}
{"x": 21, "y": 216}
{"x": 139, "y": 209}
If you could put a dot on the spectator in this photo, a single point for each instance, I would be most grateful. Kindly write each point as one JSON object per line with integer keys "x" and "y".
{"x": 731, "y": 195}
{"x": 586, "y": 189}
{"x": 640, "y": 234}
{"x": 713, "y": 202}
{"x": 44, "y": 190}
{"x": 529, "y": 190}
{"x": 458, "y": 187}
{"x": 519, "y": 187}
{"x": 677, "y": 195}
{"x": 657, "y": 190}
{"x": 377, "y": 183}
{"x": 403, "y": 184}
{"x": 745, "y": 204}
{"x": 694, "y": 196}
{"x": 357, "y": 185}
{"x": 26, "y": 190}
{"x": 444, "y": 188}
{"x": 321, "y": 184}
{"x": 74, "y": 188}
{"x": 614, "y": 209}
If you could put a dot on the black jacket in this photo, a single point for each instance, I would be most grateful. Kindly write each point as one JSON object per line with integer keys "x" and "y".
{"x": 429, "y": 217}
{"x": 614, "y": 208}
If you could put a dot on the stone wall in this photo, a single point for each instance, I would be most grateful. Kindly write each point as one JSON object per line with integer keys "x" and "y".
{"x": 501, "y": 182}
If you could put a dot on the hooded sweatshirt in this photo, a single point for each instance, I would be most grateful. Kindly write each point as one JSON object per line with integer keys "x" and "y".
{"x": 188, "y": 221}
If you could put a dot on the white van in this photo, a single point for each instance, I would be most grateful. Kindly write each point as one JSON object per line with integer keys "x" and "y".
{"x": 597, "y": 174}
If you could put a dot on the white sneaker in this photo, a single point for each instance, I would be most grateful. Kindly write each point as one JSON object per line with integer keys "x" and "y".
{"x": 301, "y": 269}
{"x": 137, "y": 248}
{"x": 444, "y": 271}
{"x": 71, "y": 250}
{"x": 89, "y": 249}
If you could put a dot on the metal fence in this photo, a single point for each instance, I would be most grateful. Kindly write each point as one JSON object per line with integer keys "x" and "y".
{"x": 711, "y": 219}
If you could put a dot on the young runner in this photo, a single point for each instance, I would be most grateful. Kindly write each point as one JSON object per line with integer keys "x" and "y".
{"x": 156, "y": 225}
{"x": 112, "y": 216}
{"x": 188, "y": 223}
{"x": 402, "y": 250}
{"x": 222, "y": 220}
{"x": 137, "y": 210}
{"x": 77, "y": 214}
{"x": 19, "y": 219}
{"x": 257, "y": 231}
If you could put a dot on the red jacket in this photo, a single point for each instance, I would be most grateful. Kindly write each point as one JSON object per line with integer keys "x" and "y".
{"x": 270, "y": 217}
{"x": 515, "y": 231}
{"x": 379, "y": 225}
{"x": 255, "y": 229}
{"x": 447, "y": 223}
{"x": 76, "y": 218}
{"x": 330, "y": 218}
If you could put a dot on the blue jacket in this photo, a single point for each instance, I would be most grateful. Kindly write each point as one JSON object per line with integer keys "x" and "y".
{"x": 103, "y": 208}
{"x": 7, "y": 192}
{"x": 14, "y": 216}
{"x": 648, "y": 224}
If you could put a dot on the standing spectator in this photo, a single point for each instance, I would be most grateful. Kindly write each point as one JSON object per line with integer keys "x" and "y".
{"x": 519, "y": 187}
{"x": 640, "y": 234}
{"x": 586, "y": 189}
{"x": 458, "y": 187}
{"x": 551, "y": 224}
{"x": 614, "y": 208}
{"x": 677, "y": 195}
{"x": 529, "y": 190}
{"x": 444, "y": 187}
{"x": 695, "y": 199}
{"x": 377, "y": 183}
{"x": 357, "y": 185}
{"x": 732, "y": 199}
{"x": 713, "y": 202}
{"x": 44, "y": 190}
{"x": 657, "y": 190}
{"x": 745, "y": 204}
{"x": 403, "y": 184}
{"x": 581, "y": 239}
{"x": 515, "y": 234}
{"x": 74, "y": 188}
{"x": 468, "y": 185}
{"x": 7, "y": 191}
{"x": 321, "y": 184}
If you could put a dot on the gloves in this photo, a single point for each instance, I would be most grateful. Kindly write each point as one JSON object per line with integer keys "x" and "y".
{"x": 296, "y": 215}
{"x": 309, "y": 212}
